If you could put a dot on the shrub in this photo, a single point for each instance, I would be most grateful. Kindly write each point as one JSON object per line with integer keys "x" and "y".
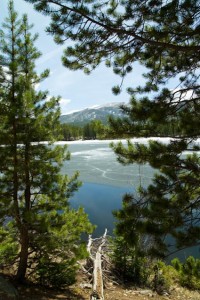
{"x": 56, "y": 274}
{"x": 130, "y": 263}
{"x": 188, "y": 272}
{"x": 8, "y": 247}
{"x": 164, "y": 276}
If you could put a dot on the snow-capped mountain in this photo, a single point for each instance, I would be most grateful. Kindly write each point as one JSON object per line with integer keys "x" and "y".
{"x": 86, "y": 115}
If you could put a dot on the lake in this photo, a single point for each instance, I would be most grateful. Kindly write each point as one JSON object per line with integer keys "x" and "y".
{"x": 105, "y": 181}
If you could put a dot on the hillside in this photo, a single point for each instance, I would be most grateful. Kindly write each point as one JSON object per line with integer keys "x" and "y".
{"x": 93, "y": 113}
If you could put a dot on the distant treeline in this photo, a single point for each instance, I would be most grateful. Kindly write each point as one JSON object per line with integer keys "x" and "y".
{"x": 90, "y": 131}
{"x": 97, "y": 130}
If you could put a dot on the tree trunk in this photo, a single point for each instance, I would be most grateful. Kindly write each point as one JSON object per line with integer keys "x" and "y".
{"x": 98, "y": 276}
{"x": 24, "y": 238}
{"x": 97, "y": 289}
{"x": 21, "y": 272}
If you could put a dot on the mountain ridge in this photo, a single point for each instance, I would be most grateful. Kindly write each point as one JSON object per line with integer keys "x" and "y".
{"x": 97, "y": 112}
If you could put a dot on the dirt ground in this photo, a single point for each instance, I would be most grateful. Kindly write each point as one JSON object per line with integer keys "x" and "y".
{"x": 112, "y": 292}
{"x": 116, "y": 293}
{"x": 81, "y": 290}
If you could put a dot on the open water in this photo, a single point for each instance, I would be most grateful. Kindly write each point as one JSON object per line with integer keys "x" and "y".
{"x": 105, "y": 181}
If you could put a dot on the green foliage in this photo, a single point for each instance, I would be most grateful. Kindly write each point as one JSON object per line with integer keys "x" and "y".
{"x": 163, "y": 36}
{"x": 34, "y": 195}
{"x": 8, "y": 246}
{"x": 123, "y": 32}
{"x": 94, "y": 130}
{"x": 91, "y": 130}
{"x": 165, "y": 276}
{"x": 173, "y": 197}
{"x": 130, "y": 244}
{"x": 55, "y": 274}
{"x": 129, "y": 263}
{"x": 188, "y": 272}
{"x": 99, "y": 129}
{"x": 71, "y": 132}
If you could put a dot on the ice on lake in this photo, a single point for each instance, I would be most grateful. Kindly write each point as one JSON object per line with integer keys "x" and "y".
{"x": 97, "y": 163}
{"x": 105, "y": 180}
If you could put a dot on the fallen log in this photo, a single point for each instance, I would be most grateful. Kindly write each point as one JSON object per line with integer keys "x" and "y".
{"x": 94, "y": 248}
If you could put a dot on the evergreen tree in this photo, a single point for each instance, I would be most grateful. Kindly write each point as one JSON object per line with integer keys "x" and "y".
{"x": 130, "y": 242}
{"x": 39, "y": 230}
{"x": 89, "y": 132}
{"x": 99, "y": 128}
{"x": 164, "y": 37}
{"x": 71, "y": 132}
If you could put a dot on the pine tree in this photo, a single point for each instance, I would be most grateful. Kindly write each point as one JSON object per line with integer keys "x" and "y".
{"x": 39, "y": 226}
{"x": 131, "y": 245}
{"x": 163, "y": 36}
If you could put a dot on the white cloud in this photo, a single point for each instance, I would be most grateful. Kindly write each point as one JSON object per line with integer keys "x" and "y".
{"x": 64, "y": 105}
{"x": 49, "y": 56}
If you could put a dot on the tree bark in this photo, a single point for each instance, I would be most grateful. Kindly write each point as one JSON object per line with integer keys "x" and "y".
{"x": 22, "y": 267}
{"x": 97, "y": 288}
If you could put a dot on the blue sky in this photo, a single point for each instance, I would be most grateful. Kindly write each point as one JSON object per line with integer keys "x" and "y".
{"x": 76, "y": 89}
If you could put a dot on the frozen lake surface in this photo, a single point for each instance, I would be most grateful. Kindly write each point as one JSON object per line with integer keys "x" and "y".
{"x": 105, "y": 181}
{"x": 97, "y": 163}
